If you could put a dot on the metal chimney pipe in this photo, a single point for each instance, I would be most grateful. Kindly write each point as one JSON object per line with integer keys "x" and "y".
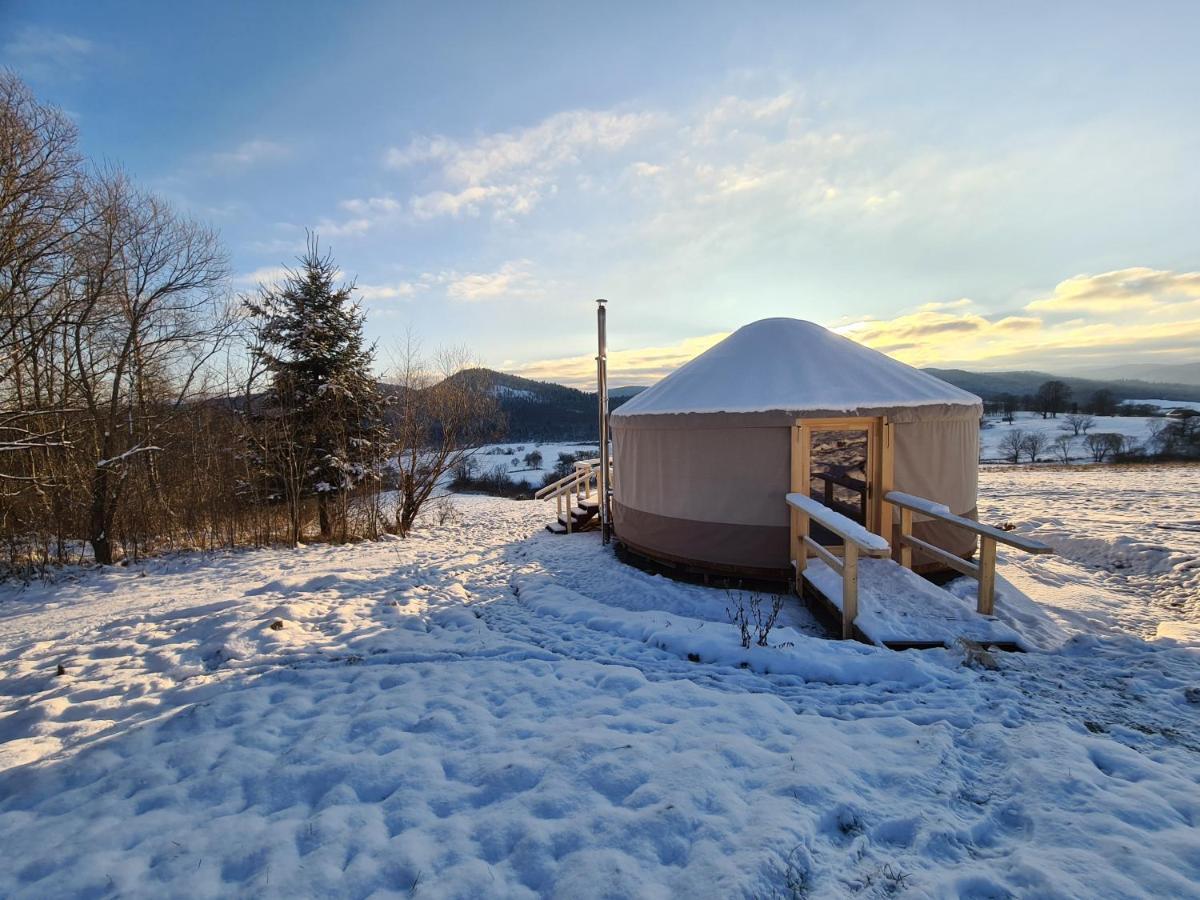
{"x": 602, "y": 402}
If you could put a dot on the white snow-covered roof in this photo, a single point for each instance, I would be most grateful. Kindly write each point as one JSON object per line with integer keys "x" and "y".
{"x": 792, "y": 365}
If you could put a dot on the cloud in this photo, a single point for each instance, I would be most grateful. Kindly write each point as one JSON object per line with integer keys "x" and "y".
{"x": 266, "y": 275}
{"x": 269, "y": 276}
{"x": 509, "y": 173}
{"x": 512, "y": 279}
{"x": 643, "y": 365}
{"x": 1123, "y": 290}
{"x": 1117, "y": 323}
{"x": 250, "y": 153}
{"x": 373, "y": 293}
{"x": 43, "y": 53}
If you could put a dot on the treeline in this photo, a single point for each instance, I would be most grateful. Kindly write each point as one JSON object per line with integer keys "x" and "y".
{"x": 143, "y": 406}
{"x": 1174, "y": 436}
{"x": 1054, "y": 396}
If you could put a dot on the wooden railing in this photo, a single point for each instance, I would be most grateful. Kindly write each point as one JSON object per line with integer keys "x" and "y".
{"x": 574, "y": 488}
{"x": 855, "y": 485}
{"x": 857, "y": 541}
{"x": 983, "y": 571}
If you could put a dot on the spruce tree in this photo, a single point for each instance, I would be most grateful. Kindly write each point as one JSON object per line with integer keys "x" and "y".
{"x": 324, "y": 408}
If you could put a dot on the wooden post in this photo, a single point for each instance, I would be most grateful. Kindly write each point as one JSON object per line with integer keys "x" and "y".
{"x": 798, "y": 521}
{"x": 905, "y": 531}
{"x": 849, "y": 589}
{"x": 987, "y": 575}
{"x": 887, "y": 481}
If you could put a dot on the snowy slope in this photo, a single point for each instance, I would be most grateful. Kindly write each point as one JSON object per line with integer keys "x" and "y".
{"x": 487, "y": 710}
{"x": 497, "y": 455}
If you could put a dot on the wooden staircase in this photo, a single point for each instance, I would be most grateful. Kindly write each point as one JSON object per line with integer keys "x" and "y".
{"x": 583, "y": 516}
{"x": 577, "y": 497}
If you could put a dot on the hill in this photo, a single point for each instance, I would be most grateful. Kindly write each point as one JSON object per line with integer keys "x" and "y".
{"x": 1176, "y": 373}
{"x": 544, "y": 411}
{"x": 990, "y": 385}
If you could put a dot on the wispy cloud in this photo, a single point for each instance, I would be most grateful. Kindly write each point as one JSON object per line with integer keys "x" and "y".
{"x": 641, "y": 365}
{"x": 42, "y": 53}
{"x": 508, "y": 173}
{"x": 511, "y": 280}
{"x": 250, "y": 153}
{"x": 266, "y": 275}
{"x": 374, "y": 293}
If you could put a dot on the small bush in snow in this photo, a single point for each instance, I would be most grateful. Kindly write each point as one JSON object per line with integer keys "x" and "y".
{"x": 753, "y": 616}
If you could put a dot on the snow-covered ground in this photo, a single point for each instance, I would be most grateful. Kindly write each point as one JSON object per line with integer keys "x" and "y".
{"x": 485, "y": 709}
{"x": 995, "y": 428}
{"x": 498, "y": 455}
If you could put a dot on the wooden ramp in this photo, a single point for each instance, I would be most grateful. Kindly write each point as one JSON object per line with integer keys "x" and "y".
{"x": 897, "y": 608}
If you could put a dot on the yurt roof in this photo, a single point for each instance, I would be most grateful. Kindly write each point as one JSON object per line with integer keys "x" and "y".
{"x": 794, "y": 366}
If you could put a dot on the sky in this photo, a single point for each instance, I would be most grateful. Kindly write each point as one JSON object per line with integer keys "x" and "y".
{"x": 962, "y": 185}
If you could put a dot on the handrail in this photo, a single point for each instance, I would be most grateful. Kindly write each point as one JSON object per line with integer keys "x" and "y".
{"x": 869, "y": 543}
{"x": 857, "y": 540}
{"x": 544, "y": 491}
{"x": 936, "y": 511}
{"x": 983, "y": 571}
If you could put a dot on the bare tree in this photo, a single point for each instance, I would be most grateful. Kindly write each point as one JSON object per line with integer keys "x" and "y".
{"x": 1061, "y": 447}
{"x": 1034, "y": 444}
{"x": 1012, "y": 445}
{"x": 1077, "y": 423}
{"x": 441, "y": 410}
{"x": 1103, "y": 444}
{"x": 145, "y": 319}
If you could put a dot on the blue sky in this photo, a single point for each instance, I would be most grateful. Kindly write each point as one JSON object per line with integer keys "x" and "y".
{"x": 1005, "y": 188}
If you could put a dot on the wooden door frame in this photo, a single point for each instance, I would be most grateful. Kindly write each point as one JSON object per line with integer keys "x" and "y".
{"x": 880, "y": 468}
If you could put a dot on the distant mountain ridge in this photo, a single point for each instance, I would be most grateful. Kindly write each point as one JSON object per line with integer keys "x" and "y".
{"x": 990, "y": 385}
{"x": 1175, "y": 373}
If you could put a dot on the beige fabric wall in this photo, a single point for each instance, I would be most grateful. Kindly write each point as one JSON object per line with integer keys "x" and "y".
{"x": 736, "y": 475}
{"x": 940, "y": 461}
{"x": 732, "y": 475}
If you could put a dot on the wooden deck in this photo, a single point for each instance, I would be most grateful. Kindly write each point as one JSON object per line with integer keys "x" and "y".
{"x": 897, "y": 608}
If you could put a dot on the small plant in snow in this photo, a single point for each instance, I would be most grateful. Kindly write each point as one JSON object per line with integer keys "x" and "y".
{"x": 795, "y": 875}
{"x": 754, "y": 618}
{"x": 736, "y": 611}
{"x": 888, "y": 878}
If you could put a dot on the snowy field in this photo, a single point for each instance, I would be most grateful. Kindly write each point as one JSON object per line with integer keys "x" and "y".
{"x": 486, "y": 710}
{"x": 995, "y": 428}
{"x": 498, "y": 455}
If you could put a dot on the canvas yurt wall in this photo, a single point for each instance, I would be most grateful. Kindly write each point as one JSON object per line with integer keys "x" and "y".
{"x": 703, "y": 458}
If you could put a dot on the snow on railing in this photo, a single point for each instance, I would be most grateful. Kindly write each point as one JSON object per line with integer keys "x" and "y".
{"x": 857, "y": 541}
{"x": 983, "y": 571}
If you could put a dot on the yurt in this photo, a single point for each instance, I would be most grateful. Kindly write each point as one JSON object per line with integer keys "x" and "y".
{"x": 703, "y": 460}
